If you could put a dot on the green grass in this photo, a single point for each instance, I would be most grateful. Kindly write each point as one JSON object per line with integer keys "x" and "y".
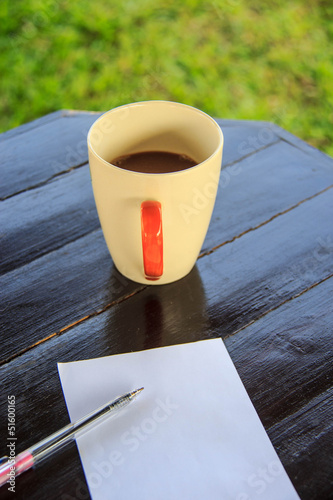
{"x": 261, "y": 60}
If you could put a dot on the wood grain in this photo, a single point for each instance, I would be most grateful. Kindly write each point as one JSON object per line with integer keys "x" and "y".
{"x": 53, "y": 208}
{"x": 44, "y": 219}
{"x": 38, "y": 154}
{"x": 270, "y": 368}
{"x": 41, "y": 220}
{"x": 32, "y": 155}
{"x": 303, "y": 441}
{"x": 286, "y": 342}
{"x": 263, "y": 283}
{"x": 262, "y": 186}
{"x": 247, "y": 277}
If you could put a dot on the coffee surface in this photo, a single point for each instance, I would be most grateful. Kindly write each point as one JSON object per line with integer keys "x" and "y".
{"x": 154, "y": 162}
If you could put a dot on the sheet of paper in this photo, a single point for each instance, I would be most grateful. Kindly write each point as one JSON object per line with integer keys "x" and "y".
{"x": 192, "y": 434}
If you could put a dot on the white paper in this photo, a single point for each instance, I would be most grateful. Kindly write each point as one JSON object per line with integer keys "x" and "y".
{"x": 192, "y": 434}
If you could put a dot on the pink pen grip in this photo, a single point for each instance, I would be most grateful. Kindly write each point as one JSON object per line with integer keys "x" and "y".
{"x": 13, "y": 468}
{"x": 152, "y": 239}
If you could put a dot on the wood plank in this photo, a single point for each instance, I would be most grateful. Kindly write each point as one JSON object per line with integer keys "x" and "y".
{"x": 39, "y": 153}
{"x": 271, "y": 264}
{"x": 242, "y": 279}
{"x": 44, "y": 219}
{"x": 285, "y": 360}
{"x": 264, "y": 129}
{"x": 260, "y": 187}
{"x": 165, "y": 316}
{"x": 304, "y": 440}
{"x": 59, "y": 289}
{"x": 243, "y": 138}
{"x": 69, "y": 209}
{"x": 290, "y": 138}
{"x": 38, "y": 122}
{"x": 287, "y": 344}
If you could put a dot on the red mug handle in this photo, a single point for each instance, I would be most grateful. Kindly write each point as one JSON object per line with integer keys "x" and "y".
{"x": 152, "y": 239}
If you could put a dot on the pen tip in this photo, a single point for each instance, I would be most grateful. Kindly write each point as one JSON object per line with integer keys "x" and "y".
{"x": 135, "y": 393}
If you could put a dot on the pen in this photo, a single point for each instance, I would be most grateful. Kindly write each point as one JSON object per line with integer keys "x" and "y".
{"x": 12, "y": 467}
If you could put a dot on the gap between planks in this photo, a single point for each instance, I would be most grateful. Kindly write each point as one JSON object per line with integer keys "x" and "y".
{"x": 43, "y": 183}
{"x": 289, "y": 299}
{"x": 71, "y": 325}
{"x": 208, "y": 252}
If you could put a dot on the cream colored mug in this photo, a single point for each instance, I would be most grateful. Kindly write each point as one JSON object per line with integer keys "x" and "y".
{"x": 154, "y": 224}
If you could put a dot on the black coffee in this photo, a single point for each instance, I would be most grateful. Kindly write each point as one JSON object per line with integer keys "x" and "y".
{"x": 154, "y": 162}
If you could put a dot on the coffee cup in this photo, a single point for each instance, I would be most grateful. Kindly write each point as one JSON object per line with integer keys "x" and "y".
{"x": 155, "y": 220}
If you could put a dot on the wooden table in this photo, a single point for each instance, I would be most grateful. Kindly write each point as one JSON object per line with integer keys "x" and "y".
{"x": 263, "y": 282}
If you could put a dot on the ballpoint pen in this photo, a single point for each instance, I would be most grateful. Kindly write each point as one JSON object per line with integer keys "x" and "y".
{"x": 12, "y": 467}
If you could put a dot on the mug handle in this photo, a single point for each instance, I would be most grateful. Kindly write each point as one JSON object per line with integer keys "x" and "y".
{"x": 152, "y": 239}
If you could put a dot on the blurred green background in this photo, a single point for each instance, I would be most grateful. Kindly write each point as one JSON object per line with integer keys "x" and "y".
{"x": 259, "y": 60}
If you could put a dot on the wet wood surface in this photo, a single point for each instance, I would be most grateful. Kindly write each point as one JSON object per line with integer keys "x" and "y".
{"x": 263, "y": 283}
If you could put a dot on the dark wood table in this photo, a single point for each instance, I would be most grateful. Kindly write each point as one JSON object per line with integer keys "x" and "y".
{"x": 263, "y": 282}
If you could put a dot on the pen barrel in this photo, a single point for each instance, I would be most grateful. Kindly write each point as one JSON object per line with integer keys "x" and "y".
{"x": 68, "y": 433}
{"x": 11, "y": 468}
